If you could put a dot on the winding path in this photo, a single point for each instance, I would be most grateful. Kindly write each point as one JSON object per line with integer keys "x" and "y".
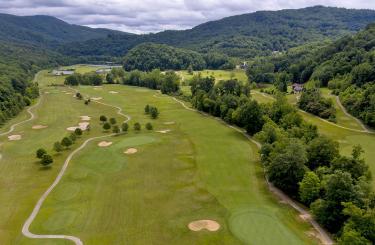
{"x": 323, "y": 235}
{"x": 32, "y": 116}
{"x": 25, "y": 229}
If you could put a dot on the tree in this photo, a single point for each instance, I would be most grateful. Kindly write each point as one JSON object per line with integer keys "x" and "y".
{"x": 103, "y": 118}
{"x": 78, "y": 131}
{"x": 124, "y": 127}
{"x": 112, "y": 121}
{"x": 137, "y": 126}
{"x": 249, "y": 116}
{"x": 147, "y": 109}
{"x": 110, "y": 78}
{"x": 154, "y": 112}
{"x": 321, "y": 151}
{"x": 79, "y": 96}
{"x": 57, "y": 147}
{"x": 287, "y": 165}
{"x": 106, "y": 126}
{"x": 73, "y": 137}
{"x": 66, "y": 142}
{"x": 40, "y": 153}
{"x": 116, "y": 129}
{"x": 46, "y": 160}
{"x": 148, "y": 126}
{"x": 309, "y": 188}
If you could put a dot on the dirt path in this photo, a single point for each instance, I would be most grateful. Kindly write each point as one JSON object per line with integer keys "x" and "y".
{"x": 25, "y": 229}
{"x": 323, "y": 235}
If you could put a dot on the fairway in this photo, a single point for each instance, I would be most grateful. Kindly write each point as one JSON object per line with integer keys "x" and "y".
{"x": 198, "y": 169}
{"x": 219, "y": 75}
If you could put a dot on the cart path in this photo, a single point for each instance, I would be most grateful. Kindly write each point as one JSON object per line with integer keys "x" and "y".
{"x": 25, "y": 229}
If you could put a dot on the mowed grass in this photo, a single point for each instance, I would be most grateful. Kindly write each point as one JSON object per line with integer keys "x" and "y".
{"x": 219, "y": 75}
{"x": 346, "y": 138}
{"x": 22, "y": 179}
{"x": 199, "y": 170}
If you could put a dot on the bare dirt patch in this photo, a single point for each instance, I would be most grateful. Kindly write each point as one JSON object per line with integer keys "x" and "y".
{"x": 209, "y": 225}
{"x": 131, "y": 151}
{"x": 85, "y": 118}
{"x": 104, "y": 143}
{"x": 14, "y": 137}
{"x": 96, "y": 98}
{"x": 82, "y": 125}
{"x": 39, "y": 127}
{"x": 113, "y": 92}
{"x": 164, "y": 131}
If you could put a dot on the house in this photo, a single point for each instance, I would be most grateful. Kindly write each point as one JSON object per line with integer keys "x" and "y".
{"x": 244, "y": 65}
{"x": 297, "y": 88}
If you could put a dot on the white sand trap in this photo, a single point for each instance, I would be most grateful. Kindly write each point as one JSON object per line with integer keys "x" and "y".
{"x": 14, "y": 137}
{"x": 81, "y": 125}
{"x": 169, "y": 123}
{"x": 96, "y": 98}
{"x": 85, "y": 118}
{"x": 131, "y": 151}
{"x": 209, "y": 225}
{"x": 113, "y": 92}
{"x": 68, "y": 93}
{"x": 164, "y": 131}
{"x": 39, "y": 126}
{"x": 104, "y": 143}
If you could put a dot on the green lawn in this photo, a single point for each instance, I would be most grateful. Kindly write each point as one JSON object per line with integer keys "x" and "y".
{"x": 201, "y": 169}
{"x": 218, "y": 74}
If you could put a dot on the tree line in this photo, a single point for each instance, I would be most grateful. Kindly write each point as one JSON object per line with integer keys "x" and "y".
{"x": 298, "y": 160}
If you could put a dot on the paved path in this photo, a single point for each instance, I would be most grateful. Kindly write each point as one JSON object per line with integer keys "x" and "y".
{"x": 323, "y": 235}
{"x": 25, "y": 229}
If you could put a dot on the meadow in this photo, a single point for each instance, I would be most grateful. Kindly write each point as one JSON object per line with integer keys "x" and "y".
{"x": 200, "y": 169}
{"x": 219, "y": 75}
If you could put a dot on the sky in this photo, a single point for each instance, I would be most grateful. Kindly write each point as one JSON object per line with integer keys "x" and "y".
{"x": 145, "y": 16}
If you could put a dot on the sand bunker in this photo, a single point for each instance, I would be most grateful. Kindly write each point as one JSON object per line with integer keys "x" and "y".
{"x": 131, "y": 151}
{"x": 85, "y": 118}
{"x": 14, "y": 137}
{"x": 169, "y": 123}
{"x": 96, "y": 98}
{"x": 46, "y": 92}
{"x": 209, "y": 225}
{"x": 68, "y": 93}
{"x": 104, "y": 144}
{"x": 39, "y": 126}
{"x": 113, "y": 92}
{"x": 81, "y": 125}
{"x": 164, "y": 131}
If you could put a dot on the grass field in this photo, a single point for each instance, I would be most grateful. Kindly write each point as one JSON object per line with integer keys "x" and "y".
{"x": 218, "y": 74}
{"x": 201, "y": 169}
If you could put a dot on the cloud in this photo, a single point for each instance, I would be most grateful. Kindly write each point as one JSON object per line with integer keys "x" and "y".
{"x": 143, "y": 16}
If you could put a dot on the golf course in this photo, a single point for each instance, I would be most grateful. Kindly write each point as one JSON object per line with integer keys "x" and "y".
{"x": 190, "y": 180}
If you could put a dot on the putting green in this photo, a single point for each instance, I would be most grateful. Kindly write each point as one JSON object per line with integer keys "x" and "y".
{"x": 260, "y": 227}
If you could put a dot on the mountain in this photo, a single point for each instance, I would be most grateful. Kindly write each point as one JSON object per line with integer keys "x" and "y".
{"x": 46, "y": 30}
{"x": 244, "y": 36}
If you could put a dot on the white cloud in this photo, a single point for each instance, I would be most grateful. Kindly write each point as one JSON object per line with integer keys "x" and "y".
{"x": 141, "y": 16}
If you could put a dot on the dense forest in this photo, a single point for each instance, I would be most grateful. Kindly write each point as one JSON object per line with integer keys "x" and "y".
{"x": 346, "y": 66}
{"x": 244, "y": 36}
{"x": 18, "y": 64}
{"x": 149, "y": 56}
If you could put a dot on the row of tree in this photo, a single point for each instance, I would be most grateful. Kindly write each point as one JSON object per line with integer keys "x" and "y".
{"x": 309, "y": 167}
{"x": 312, "y": 101}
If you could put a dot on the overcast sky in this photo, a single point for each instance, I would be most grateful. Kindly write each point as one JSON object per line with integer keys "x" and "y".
{"x": 143, "y": 16}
